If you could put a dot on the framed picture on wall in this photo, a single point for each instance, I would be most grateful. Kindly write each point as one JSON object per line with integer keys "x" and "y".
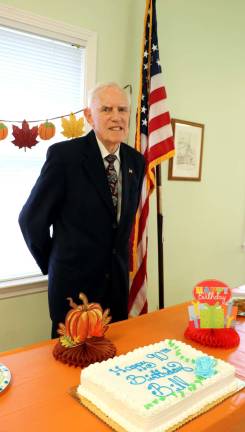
{"x": 187, "y": 161}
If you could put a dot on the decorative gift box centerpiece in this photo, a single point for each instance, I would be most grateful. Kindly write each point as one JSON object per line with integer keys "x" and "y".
{"x": 212, "y": 315}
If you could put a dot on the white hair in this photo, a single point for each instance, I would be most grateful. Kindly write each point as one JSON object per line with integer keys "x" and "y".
{"x": 101, "y": 86}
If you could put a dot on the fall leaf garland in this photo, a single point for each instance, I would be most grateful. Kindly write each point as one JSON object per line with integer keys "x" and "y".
{"x": 26, "y": 137}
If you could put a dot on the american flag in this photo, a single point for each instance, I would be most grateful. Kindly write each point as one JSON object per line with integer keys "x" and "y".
{"x": 154, "y": 139}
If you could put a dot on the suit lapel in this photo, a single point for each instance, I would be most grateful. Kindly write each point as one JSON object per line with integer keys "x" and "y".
{"x": 94, "y": 166}
{"x": 126, "y": 172}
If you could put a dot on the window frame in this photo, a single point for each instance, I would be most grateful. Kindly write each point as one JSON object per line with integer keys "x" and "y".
{"x": 32, "y": 23}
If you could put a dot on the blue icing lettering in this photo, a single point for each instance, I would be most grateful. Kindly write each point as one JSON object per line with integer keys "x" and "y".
{"x": 170, "y": 369}
{"x": 176, "y": 367}
{"x": 160, "y": 355}
{"x": 139, "y": 367}
{"x": 178, "y": 382}
{"x": 158, "y": 390}
{"x": 136, "y": 379}
{"x": 117, "y": 370}
{"x": 156, "y": 374}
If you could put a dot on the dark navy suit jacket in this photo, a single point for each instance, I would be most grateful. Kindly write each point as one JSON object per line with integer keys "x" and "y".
{"x": 88, "y": 250}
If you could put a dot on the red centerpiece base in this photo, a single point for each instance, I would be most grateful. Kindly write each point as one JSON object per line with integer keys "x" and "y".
{"x": 216, "y": 338}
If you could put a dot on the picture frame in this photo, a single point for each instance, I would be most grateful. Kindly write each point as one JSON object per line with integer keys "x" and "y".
{"x": 187, "y": 161}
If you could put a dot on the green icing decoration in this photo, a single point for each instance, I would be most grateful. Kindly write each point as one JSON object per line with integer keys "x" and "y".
{"x": 148, "y": 406}
{"x": 199, "y": 379}
{"x": 170, "y": 343}
{"x": 192, "y": 387}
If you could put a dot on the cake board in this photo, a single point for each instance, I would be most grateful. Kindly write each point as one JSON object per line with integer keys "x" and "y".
{"x": 117, "y": 428}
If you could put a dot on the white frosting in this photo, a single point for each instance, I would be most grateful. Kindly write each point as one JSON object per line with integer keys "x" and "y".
{"x": 155, "y": 387}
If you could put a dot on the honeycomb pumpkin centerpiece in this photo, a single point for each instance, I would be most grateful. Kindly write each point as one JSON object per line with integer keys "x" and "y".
{"x": 82, "y": 340}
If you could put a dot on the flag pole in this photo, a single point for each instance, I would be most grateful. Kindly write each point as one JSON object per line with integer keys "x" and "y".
{"x": 154, "y": 139}
{"x": 160, "y": 237}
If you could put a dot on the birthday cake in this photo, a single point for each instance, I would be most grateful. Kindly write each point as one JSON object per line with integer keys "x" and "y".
{"x": 155, "y": 388}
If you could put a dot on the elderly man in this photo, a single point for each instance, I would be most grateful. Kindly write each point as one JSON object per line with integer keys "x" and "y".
{"x": 88, "y": 191}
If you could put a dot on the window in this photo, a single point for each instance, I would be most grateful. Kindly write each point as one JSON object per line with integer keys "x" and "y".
{"x": 45, "y": 69}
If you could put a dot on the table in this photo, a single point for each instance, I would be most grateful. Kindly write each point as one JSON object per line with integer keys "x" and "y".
{"x": 38, "y": 398}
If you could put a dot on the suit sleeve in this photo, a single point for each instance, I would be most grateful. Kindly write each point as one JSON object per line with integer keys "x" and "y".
{"x": 41, "y": 208}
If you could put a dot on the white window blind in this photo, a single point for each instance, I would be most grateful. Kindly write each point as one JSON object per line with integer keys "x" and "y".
{"x": 40, "y": 78}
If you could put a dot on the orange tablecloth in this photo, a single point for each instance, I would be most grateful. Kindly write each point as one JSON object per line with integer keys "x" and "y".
{"x": 37, "y": 398}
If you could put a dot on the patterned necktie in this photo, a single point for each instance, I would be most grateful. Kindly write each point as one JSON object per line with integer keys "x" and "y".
{"x": 112, "y": 178}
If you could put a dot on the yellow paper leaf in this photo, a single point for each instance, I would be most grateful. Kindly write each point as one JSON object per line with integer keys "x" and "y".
{"x": 73, "y": 127}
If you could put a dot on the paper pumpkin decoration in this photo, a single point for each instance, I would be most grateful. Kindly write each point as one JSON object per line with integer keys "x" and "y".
{"x": 46, "y": 130}
{"x": 82, "y": 340}
{"x": 25, "y": 137}
{"x": 83, "y": 322}
{"x": 73, "y": 128}
{"x": 3, "y": 131}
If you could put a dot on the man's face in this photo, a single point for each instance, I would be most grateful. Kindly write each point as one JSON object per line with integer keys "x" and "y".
{"x": 109, "y": 117}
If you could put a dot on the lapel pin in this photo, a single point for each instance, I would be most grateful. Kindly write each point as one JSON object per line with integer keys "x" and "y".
{"x": 130, "y": 171}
